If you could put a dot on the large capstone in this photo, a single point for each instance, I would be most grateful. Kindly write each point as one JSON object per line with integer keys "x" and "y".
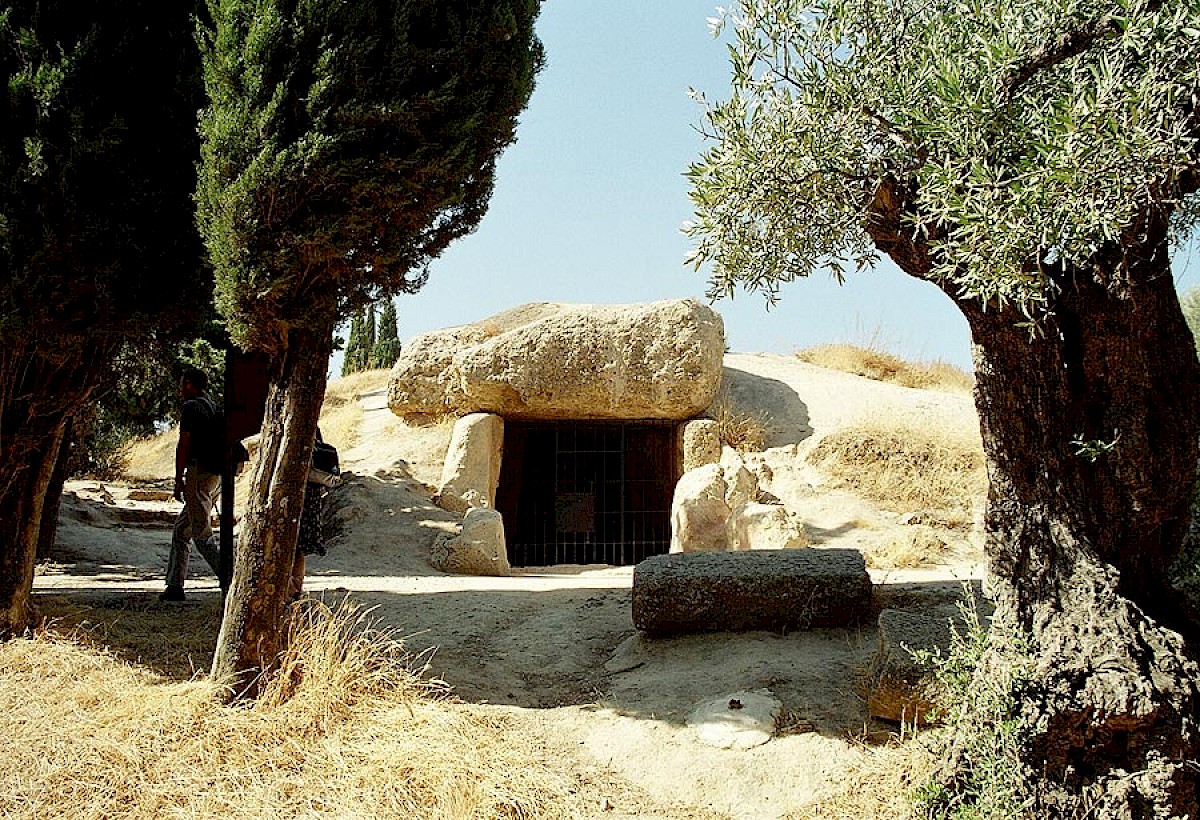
{"x": 740, "y": 591}
{"x": 660, "y": 360}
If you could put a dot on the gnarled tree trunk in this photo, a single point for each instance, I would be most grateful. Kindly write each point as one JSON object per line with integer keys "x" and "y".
{"x": 251, "y": 632}
{"x": 1090, "y": 424}
{"x": 1090, "y": 429}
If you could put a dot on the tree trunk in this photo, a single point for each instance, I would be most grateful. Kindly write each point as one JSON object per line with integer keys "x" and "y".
{"x": 39, "y": 392}
{"x": 48, "y": 532}
{"x": 1090, "y": 425}
{"x": 251, "y": 632}
{"x": 1090, "y": 429}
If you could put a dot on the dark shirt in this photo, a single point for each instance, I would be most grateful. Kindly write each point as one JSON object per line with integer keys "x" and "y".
{"x": 201, "y": 419}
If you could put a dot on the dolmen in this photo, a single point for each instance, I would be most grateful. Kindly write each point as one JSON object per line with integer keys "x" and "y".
{"x": 779, "y": 590}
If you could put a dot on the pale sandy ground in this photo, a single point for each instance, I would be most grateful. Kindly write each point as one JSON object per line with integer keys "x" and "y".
{"x": 556, "y": 647}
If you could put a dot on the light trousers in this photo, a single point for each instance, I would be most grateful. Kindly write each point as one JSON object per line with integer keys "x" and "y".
{"x": 200, "y": 492}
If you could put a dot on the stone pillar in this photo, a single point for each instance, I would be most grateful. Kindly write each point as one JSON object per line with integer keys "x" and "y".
{"x": 472, "y": 468}
{"x": 699, "y": 443}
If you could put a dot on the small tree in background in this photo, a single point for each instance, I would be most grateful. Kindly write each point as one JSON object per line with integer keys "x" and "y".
{"x": 387, "y": 342}
{"x": 344, "y": 146}
{"x": 352, "y": 361}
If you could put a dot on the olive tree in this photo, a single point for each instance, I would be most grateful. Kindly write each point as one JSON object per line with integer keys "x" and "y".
{"x": 345, "y": 145}
{"x": 1035, "y": 159}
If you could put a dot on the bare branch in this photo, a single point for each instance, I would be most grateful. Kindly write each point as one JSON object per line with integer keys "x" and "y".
{"x": 1067, "y": 45}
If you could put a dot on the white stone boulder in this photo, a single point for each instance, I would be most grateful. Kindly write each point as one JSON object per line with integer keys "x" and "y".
{"x": 479, "y": 549}
{"x": 741, "y": 485}
{"x": 757, "y": 526}
{"x": 471, "y": 471}
{"x": 699, "y": 512}
{"x": 661, "y": 360}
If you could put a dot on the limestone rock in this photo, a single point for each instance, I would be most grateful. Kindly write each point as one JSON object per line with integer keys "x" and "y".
{"x": 480, "y": 548}
{"x": 739, "y": 720}
{"x": 899, "y": 688}
{"x": 756, "y": 526}
{"x": 661, "y": 360}
{"x": 472, "y": 468}
{"x": 740, "y": 591}
{"x": 741, "y": 485}
{"x": 699, "y": 511}
{"x": 700, "y": 442}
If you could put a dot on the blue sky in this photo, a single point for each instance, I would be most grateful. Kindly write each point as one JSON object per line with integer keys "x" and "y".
{"x": 589, "y": 201}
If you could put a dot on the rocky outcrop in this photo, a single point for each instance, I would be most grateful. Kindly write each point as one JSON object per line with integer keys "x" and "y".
{"x": 479, "y": 549}
{"x": 661, "y": 360}
{"x": 717, "y": 508}
{"x": 699, "y": 511}
{"x": 700, "y": 442}
{"x": 756, "y": 526}
{"x": 472, "y": 468}
{"x": 739, "y": 591}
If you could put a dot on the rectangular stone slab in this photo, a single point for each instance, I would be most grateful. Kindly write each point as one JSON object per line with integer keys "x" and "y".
{"x": 742, "y": 591}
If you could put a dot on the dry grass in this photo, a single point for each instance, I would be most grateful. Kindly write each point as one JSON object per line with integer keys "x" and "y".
{"x": 905, "y": 465}
{"x": 152, "y": 459}
{"x": 743, "y": 430}
{"x": 349, "y": 389}
{"x": 346, "y": 730}
{"x": 879, "y": 787}
{"x": 913, "y": 547}
{"x": 884, "y": 367}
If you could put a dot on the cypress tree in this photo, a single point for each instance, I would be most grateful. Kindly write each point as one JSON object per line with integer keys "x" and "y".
{"x": 354, "y": 346}
{"x": 387, "y": 342}
{"x": 345, "y": 146}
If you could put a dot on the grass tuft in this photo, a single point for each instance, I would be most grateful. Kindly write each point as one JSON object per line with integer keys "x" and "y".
{"x": 904, "y": 466}
{"x": 884, "y": 367}
{"x": 743, "y": 430}
{"x": 346, "y": 731}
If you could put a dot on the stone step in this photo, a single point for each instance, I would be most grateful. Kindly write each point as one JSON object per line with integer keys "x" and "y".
{"x": 742, "y": 591}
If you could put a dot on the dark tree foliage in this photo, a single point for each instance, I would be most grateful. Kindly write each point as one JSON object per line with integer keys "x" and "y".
{"x": 97, "y": 244}
{"x": 345, "y": 146}
{"x": 352, "y": 362}
{"x": 387, "y": 338}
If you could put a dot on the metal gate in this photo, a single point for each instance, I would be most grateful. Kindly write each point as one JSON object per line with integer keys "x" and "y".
{"x": 587, "y": 492}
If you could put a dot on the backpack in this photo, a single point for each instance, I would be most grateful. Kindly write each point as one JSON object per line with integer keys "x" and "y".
{"x": 325, "y": 458}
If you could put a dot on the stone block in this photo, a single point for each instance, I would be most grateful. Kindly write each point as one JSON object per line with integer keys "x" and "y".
{"x": 741, "y": 591}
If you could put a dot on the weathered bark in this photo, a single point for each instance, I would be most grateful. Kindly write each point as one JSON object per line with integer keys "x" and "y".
{"x": 1090, "y": 426}
{"x": 251, "y": 632}
{"x": 39, "y": 392}
{"x": 48, "y": 532}
{"x": 1090, "y": 430}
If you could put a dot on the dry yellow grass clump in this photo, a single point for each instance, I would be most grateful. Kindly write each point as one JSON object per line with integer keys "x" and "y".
{"x": 345, "y": 730}
{"x": 884, "y": 367}
{"x": 906, "y": 465}
{"x": 743, "y": 430}
{"x": 880, "y": 786}
{"x": 341, "y": 413}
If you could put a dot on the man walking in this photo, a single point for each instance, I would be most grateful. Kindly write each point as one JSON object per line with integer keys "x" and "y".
{"x": 199, "y": 458}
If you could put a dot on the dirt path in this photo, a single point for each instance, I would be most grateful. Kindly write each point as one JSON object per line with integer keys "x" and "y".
{"x": 555, "y": 648}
